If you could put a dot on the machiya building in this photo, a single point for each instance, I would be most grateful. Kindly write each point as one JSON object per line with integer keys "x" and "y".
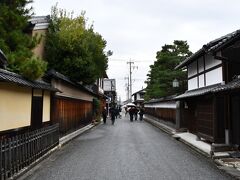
{"x": 25, "y": 104}
{"x": 210, "y": 108}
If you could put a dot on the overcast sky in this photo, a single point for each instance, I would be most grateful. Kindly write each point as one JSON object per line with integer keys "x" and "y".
{"x": 137, "y": 29}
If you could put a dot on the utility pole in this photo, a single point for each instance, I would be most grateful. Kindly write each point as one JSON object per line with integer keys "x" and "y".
{"x": 127, "y": 86}
{"x": 130, "y": 76}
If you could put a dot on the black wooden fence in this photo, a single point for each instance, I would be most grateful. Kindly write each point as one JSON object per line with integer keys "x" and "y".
{"x": 20, "y": 151}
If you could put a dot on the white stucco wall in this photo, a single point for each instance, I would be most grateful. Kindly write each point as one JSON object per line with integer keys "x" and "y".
{"x": 46, "y": 106}
{"x": 15, "y": 106}
{"x": 214, "y": 76}
{"x": 168, "y": 104}
{"x": 201, "y": 80}
{"x": 68, "y": 90}
{"x": 192, "y": 83}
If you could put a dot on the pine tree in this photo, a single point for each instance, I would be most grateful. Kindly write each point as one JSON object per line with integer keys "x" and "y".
{"x": 162, "y": 72}
{"x": 15, "y": 42}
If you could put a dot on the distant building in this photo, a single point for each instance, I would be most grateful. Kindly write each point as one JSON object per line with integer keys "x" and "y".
{"x": 38, "y": 26}
{"x": 109, "y": 87}
{"x": 138, "y": 97}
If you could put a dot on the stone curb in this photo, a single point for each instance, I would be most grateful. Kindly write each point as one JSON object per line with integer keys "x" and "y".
{"x": 194, "y": 147}
{"x": 161, "y": 126}
{"x": 233, "y": 172}
{"x": 228, "y": 170}
{"x": 172, "y": 132}
{"x": 21, "y": 175}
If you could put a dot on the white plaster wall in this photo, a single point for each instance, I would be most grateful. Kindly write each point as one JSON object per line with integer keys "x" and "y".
{"x": 70, "y": 91}
{"x": 192, "y": 69}
{"x": 214, "y": 76}
{"x": 200, "y": 65}
{"x": 201, "y": 81}
{"x": 168, "y": 105}
{"x": 192, "y": 83}
{"x": 138, "y": 97}
{"x": 46, "y": 106}
{"x": 15, "y": 106}
{"x": 211, "y": 62}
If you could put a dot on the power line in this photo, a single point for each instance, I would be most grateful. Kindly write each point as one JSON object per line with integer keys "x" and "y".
{"x": 124, "y": 60}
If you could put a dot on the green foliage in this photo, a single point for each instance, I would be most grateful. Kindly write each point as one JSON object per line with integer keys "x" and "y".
{"x": 74, "y": 49}
{"x": 162, "y": 72}
{"x": 33, "y": 68}
{"x": 14, "y": 41}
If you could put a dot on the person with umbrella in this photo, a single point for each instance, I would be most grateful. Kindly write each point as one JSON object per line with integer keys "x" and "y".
{"x": 131, "y": 110}
{"x": 131, "y": 113}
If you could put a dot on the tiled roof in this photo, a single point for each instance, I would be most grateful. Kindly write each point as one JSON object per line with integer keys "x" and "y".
{"x": 162, "y": 99}
{"x": 39, "y": 19}
{"x": 211, "y": 47}
{"x": 39, "y": 22}
{"x": 235, "y": 84}
{"x": 198, "y": 92}
{"x": 7, "y": 76}
{"x": 141, "y": 91}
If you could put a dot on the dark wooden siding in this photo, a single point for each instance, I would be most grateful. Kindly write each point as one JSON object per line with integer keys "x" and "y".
{"x": 235, "y": 119}
{"x": 165, "y": 114}
{"x": 70, "y": 113}
{"x": 189, "y": 116}
{"x": 197, "y": 115}
{"x": 221, "y": 106}
{"x": 205, "y": 118}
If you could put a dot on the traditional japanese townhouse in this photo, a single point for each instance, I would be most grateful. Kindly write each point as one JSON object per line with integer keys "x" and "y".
{"x": 138, "y": 97}
{"x": 210, "y": 107}
{"x": 24, "y": 105}
{"x": 73, "y": 107}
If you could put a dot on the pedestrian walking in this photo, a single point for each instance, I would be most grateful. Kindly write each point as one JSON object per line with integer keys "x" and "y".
{"x": 112, "y": 112}
{"x": 131, "y": 113}
{"x": 135, "y": 113}
{"x": 141, "y": 113}
{"x": 104, "y": 115}
{"x": 117, "y": 112}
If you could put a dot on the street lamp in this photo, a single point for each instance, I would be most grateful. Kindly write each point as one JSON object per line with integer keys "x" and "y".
{"x": 175, "y": 83}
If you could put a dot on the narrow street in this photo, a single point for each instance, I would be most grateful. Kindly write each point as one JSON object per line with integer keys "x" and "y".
{"x": 125, "y": 151}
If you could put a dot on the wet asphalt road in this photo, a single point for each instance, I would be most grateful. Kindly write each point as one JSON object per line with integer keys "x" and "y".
{"x": 126, "y": 151}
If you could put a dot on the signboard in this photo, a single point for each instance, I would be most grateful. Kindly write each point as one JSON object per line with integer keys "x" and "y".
{"x": 109, "y": 85}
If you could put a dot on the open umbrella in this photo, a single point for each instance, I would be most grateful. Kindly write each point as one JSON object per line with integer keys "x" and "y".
{"x": 130, "y": 105}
